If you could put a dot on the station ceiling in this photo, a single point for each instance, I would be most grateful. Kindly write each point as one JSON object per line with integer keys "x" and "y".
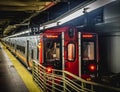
{"x": 16, "y": 14}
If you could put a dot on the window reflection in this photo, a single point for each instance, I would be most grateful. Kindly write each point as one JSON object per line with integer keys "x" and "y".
{"x": 71, "y": 51}
{"x": 52, "y": 51}
{"x": 88, "y": 50}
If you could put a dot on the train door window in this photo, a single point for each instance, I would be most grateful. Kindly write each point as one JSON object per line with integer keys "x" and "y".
{"x": 88, "y": 51}
{"x": 52, "y": 49}
{"x": 71, "y": 51}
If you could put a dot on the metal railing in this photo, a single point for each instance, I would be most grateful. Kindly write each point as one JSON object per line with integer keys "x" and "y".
{"x": 63, "y": 81}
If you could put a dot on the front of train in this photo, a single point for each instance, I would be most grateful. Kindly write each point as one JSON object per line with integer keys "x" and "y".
{"x": 67, "y": 49}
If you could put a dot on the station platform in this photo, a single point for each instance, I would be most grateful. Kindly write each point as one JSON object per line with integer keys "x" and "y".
{"x": 13, "y": 76}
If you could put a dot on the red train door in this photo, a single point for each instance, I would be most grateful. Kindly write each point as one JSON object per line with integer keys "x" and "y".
{"x": 70, "y": 51}
{"x": 51, "y": 47}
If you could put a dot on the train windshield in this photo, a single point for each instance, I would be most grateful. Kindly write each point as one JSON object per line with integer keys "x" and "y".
{"x": 88, "y": 51}
{"x": 52, "y": 49}
{"x": 88, "y": 47}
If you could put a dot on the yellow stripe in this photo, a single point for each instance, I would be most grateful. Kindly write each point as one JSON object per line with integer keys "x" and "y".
{"x": 25, "y": 75}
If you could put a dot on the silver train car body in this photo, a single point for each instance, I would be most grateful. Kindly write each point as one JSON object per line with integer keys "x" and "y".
{"x": 25, "y": 48}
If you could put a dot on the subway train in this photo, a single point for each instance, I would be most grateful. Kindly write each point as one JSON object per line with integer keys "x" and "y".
{"x": 62, "y": 48}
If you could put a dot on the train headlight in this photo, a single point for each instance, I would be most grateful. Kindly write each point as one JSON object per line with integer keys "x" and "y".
{"x": 49, "y": 69}
{"x": 92, "y": 67}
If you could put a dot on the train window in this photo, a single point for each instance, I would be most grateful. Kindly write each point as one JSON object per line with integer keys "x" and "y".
{"x": 52, "y": 50}
{"x": 21, "y": 48}
{"x": 71, "y": 51}
{"x": 88, "y": 50}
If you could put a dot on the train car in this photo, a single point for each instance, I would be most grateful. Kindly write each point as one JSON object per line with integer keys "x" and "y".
{"x": 25, "y": 48}
{"x": 68, "y": 49}
{"x": 63, "y": 48}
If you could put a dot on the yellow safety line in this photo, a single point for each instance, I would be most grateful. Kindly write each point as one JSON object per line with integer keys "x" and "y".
{"x": 24, "y": 74}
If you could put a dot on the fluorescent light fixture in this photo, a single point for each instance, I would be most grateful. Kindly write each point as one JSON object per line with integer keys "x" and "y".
{"x": 48, "y": 25}
{"x": 98, "y": 4}
{"x": 51, "y": 25}
{"x": 41, "y": 27}
{"x": 71, "y": 17}
{"x": 17, "y": 34}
